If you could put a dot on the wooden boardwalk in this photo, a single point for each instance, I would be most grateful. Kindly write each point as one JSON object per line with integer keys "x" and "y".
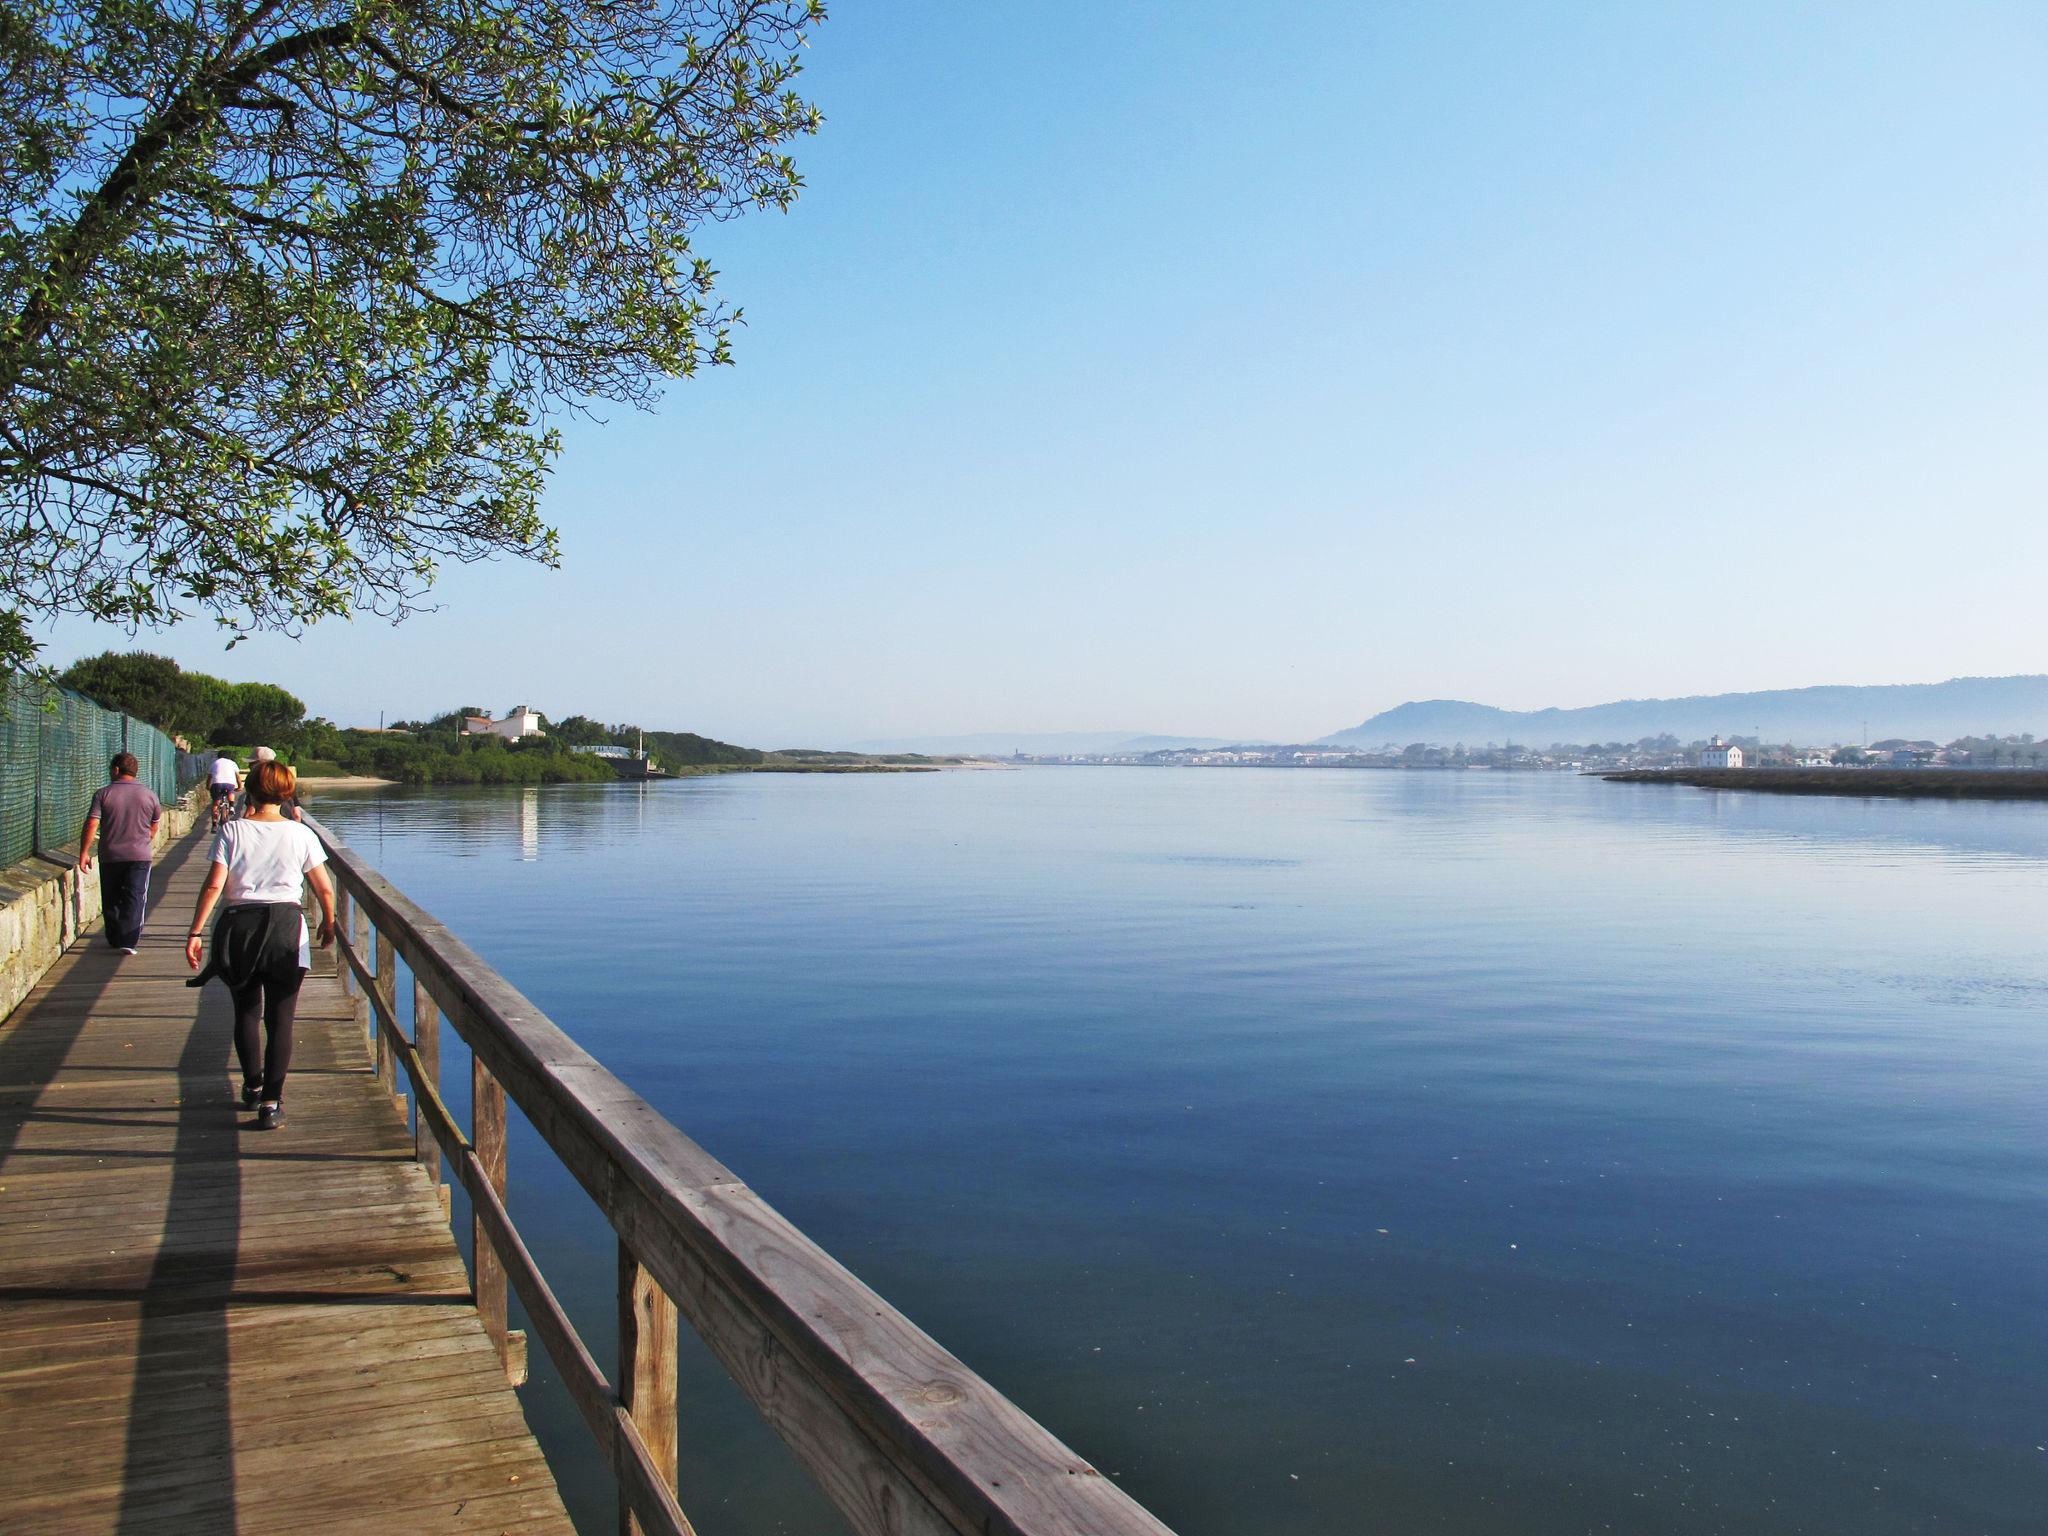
{"x": 208, "y": 1329}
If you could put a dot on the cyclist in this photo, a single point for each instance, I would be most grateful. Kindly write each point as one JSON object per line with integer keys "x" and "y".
{"x": 224, "y": 779}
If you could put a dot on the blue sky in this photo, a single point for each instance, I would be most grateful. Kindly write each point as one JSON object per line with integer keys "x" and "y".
{"x": 1245, "y": 370}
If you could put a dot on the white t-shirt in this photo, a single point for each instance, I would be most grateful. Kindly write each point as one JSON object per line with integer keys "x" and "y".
{"x": 267, "y": 861}
{"x": 225, "y": 771}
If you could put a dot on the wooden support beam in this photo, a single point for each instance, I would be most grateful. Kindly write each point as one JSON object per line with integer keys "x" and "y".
{"x": 487, "y": 1135}
{"x": 387, "y": 994}
{"x": 359, "y": 948}
{"x": 426, "y": 1039}
{"x": 343, "y": 904}
{"x": 647, "y": 1374}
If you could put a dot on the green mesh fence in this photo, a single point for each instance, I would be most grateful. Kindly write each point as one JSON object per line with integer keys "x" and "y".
{"x": 54, "y": 749}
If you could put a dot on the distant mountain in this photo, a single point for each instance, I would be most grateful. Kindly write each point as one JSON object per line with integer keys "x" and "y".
{"x": 1962, "y": 706}
{"x": 1036, "y": 743}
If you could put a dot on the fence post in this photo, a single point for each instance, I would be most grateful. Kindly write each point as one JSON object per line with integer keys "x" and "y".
{"x": 647, "y": 1371}
{"x": 35, "y": 836}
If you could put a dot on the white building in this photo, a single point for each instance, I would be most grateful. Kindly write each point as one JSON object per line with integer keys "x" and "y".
{"x": 521, "y": 722}
{"x": 1720, "y": 754}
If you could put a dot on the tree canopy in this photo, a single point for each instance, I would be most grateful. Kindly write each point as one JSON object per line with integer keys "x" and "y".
{"x": 190, "y": 704}
{"x": 293, "y": 291}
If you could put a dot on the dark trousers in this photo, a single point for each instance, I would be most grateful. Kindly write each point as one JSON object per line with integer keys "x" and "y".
{"x": 264, "y": 1011}
{"x": 124, "y": 896}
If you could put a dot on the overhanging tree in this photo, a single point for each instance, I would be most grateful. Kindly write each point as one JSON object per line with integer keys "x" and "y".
{"x": 292, "y": 291}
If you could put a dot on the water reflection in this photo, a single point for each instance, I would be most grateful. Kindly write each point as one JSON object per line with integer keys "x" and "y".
{"x": 1467, "y": 1153}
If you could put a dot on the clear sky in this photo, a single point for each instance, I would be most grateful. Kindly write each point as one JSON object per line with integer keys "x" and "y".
{"x": 1244, "y": 370}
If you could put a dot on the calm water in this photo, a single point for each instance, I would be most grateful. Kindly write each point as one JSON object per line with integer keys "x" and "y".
{"x": 1326, "y": 1151}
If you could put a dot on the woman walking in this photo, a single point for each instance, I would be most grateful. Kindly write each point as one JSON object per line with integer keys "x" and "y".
{"x": 263, "y": 862}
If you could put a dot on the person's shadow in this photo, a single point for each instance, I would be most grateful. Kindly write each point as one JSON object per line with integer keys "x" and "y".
{"x": 181, "y": 1190}
{"x": 180, "y": 1463}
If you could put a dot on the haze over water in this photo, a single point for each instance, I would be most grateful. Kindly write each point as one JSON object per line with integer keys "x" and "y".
{"x": 1325, "y": 1151}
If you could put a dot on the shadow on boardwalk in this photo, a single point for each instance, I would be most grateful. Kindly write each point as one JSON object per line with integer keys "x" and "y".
{"x": 204, "y": 1328}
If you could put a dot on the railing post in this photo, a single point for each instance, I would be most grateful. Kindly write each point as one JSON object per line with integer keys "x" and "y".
{"x": 359, "y": 945}
{"x": 387, "y": 994}
{"x": 647, "y": 1371}
{"x": 487, "y": 1136}
{"x": 426, "y": 1039}
{"x": 342, "y": 929}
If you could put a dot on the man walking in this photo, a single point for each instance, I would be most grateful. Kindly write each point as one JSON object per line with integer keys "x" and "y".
{"x": 125, "y": 815}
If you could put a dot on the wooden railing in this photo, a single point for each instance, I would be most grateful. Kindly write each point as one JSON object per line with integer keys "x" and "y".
{"x": 903, "y": 1438}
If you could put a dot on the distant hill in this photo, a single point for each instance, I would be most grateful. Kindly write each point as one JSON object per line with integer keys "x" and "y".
{"x": 1036, "y": 743}
{"x": 1962, "y": 706}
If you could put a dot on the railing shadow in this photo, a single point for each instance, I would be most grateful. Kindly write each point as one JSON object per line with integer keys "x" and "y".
{"x": 36, "y": 1040}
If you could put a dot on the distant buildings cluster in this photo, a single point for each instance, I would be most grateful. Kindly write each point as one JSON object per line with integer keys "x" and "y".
{"x": 521, "y": 723}
{"x": 1650, "y": 752}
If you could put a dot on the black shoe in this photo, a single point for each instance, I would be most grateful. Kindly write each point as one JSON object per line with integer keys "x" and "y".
{"x": 269, "y": 1117}
{"x": 252, "y": 1095}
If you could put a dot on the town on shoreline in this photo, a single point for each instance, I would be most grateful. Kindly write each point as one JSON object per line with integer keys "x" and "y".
{"x": 1650, "y": 753}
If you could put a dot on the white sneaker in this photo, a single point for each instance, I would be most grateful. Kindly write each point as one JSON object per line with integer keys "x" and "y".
{"x": 127, "y": 949}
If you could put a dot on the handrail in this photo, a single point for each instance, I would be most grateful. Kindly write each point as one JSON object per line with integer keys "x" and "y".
{"x": 902, "y": 1437}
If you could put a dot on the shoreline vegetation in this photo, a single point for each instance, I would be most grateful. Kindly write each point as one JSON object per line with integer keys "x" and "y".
{"x": 207, "y": 713}
{"x": 487, "y": 760}
{"x": 435, "y": 753}
{"x": 1896, "y": 783}
{"x": 314, "y": 777}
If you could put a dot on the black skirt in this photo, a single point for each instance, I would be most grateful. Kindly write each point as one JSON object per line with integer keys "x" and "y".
{"x": 257, "y": 942}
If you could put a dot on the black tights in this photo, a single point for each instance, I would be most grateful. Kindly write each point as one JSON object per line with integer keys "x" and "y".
{"x": 272, "y": 1005}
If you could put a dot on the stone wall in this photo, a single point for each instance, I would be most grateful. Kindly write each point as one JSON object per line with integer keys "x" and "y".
{"x": 44, "y": 905}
